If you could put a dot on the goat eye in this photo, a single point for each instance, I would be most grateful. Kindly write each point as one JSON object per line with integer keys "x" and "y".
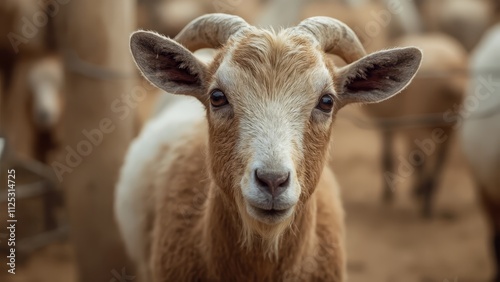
{"x": 218, "y": 99}
{"x": 325, "y": 103}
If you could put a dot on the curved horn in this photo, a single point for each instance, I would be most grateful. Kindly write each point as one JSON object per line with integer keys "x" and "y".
{"x": 210, "y": 31}
{"x": 335, "y": 37}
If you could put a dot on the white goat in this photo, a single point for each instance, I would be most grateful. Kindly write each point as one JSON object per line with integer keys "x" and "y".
{"x": 481, "y": 130}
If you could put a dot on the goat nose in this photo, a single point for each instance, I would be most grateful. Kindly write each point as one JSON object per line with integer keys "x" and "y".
{"x": 272, "y": 182}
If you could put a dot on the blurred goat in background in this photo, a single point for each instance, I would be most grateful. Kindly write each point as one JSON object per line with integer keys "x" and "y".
{"x": 32, "y": 100}
{"x": 480, "y": 130}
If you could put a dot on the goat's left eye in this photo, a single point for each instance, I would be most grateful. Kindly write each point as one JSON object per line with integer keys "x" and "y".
{"x": 325, "y": 103}
{"x": 218, "y": 99}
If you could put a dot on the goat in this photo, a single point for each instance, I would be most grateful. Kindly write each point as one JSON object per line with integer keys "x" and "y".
{"x": 357, "y": 14}
{"x": 480, "y": 133}
{"x": 31, "y": 74}
{"x": 439, "y": 86}
{"x": 31, "y": 112}
{"x": 170, "y": 16}
{"x": 465, "y": 20}
{"x": 235, "y": 186}
{"x": 45, "y": 80}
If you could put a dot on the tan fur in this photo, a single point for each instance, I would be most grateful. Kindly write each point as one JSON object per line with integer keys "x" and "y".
{"x": 307, "y": 248}
{"x": 300, "y": 53}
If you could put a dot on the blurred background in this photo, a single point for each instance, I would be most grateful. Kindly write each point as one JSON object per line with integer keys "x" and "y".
{"x": 71, "y": 101}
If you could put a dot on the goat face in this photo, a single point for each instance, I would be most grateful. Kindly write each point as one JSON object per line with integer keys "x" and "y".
{"x": 271, "y": 99}
{"x": 270, "y": 111}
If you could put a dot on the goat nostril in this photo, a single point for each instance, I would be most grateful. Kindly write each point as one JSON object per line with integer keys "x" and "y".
{"x": 274, "y": 182}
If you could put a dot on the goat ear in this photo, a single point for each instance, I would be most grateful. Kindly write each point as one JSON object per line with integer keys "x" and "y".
{"x": 167, "y": 64}
{"x": 378, "y": 76}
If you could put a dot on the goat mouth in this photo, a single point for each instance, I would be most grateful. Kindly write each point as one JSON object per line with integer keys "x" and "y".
{"x": 269, "y": 216}
{"x": 272, "y": 212}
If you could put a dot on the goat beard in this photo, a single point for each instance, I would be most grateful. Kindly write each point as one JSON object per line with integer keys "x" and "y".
{"x": 256, "y": 235}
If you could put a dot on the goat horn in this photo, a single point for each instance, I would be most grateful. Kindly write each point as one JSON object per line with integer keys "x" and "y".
{"x": 210, "y": 31}
{"x": 335, "y": 37}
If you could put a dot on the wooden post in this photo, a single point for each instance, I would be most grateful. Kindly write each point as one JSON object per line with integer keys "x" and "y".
{"x": 98, "y": 126}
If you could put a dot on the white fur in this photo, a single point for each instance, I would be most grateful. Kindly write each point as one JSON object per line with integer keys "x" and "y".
{"x": 481, "y": 136}
{"x": 46, "y": 106}
{"x": 176, "y": 120}
{"x": 45, "y": 80}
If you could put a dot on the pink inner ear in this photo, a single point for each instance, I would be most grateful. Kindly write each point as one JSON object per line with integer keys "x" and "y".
{"x": 373, "y": 78}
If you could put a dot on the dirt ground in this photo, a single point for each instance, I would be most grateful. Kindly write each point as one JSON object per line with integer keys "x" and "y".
{"x": 394, "y": 243}
{"x": 384, "y": 243}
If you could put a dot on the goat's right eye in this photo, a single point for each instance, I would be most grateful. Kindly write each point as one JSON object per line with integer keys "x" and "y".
{"x": 218, "y": 99}
{"x": 325, "y": 103}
